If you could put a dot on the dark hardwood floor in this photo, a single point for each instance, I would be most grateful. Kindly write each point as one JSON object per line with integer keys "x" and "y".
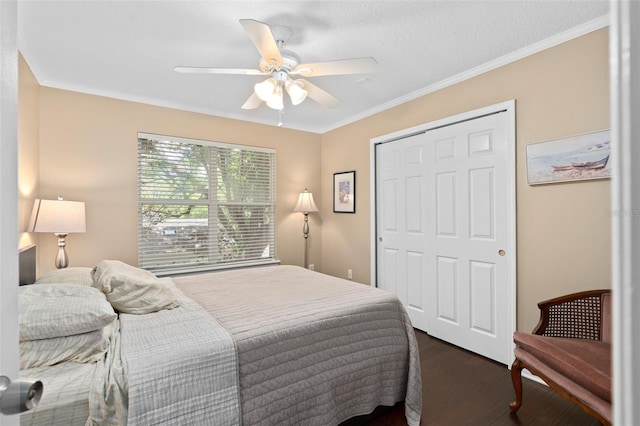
{"x": 462, "y": 388}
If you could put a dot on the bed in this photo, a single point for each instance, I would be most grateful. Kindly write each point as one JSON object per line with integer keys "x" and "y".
{"x": 258, "y": 346}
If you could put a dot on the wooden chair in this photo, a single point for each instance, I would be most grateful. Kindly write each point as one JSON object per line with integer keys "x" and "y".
{"x": 570, "y": 349}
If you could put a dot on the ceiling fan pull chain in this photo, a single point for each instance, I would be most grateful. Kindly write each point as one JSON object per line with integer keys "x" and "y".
{"x": 280, "y": 123}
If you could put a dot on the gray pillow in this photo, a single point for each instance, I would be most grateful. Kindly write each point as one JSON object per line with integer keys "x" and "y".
{"x": 81, "y": 348}
{"x": 132, "y": 290}
{"x": 72, "y": 275}
{"x": 56, "y": 310}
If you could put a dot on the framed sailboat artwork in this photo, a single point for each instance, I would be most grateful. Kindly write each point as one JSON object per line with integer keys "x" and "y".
{"x": 581, "y": 157}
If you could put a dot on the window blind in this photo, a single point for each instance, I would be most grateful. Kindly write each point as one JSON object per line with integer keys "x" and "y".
{"x": 204, "y": 205}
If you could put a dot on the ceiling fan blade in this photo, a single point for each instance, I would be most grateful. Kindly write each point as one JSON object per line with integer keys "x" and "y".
{"x": 345, "y": 66}
{"x": 319, "y": 95}
{"x": 262, "y": 38}
{"x": 204, "y": 70}
{"x": 253, "y": 102}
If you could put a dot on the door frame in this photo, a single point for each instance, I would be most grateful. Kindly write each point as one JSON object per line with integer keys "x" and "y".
{"x": 624, "y": 66}
{"x": 9, "y": 354}
{"x": 508, "y": 107}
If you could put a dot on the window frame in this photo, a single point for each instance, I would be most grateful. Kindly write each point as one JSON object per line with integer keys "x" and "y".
{"x": 212, "y": 203}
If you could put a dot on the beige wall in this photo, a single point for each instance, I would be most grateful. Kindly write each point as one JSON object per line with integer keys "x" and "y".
{"x": 28, "y": 149}
{"x": 563, "y": 231}
{"x": 88, "y": 152}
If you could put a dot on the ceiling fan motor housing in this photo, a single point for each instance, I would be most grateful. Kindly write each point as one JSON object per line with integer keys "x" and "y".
{"x": 280, "y": 75}
{"x": 289, "y": 61}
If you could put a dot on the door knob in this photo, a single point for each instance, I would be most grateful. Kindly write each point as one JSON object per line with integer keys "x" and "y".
{"x": 19, "y": 396}
{"x": 380, "y": 239}
{"x": 501, "y": 252}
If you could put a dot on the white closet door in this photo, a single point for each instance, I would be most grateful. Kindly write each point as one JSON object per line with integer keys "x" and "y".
{"x": 444, "y": 204}
{"x": 402, "y": 223}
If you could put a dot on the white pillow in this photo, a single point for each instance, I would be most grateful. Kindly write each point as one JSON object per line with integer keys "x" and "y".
{"x": 132, "y": 290}
{"x": 56, "y": 310}
{"x": 72, "y": 275}
{"x": 81, "y": 348}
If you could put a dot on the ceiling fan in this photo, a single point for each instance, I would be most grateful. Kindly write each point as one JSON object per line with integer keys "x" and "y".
{"x": 281, "y": 65}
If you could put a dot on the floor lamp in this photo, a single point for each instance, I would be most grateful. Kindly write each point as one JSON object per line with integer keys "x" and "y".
{"x": 59, "y": 217}
{"x": 305, "y": 205}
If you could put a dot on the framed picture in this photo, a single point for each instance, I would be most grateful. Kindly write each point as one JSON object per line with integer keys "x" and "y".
{"x": 344, "y": 192}
{"x": 574, "y": 158}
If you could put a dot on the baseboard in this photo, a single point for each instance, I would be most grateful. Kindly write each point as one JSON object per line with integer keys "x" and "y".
{"x": 529, "y": 375}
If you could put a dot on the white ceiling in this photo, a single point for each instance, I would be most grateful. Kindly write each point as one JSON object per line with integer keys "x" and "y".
{"x": 128, "y": 49}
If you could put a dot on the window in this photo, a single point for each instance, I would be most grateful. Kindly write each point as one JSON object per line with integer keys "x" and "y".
{"x": 204, "y": 205}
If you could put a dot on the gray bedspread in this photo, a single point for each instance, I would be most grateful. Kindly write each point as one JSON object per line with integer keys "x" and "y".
{"x": 312, "y": 349}
{"x": 181, "y": 368}
{"x": 172, "y": 367}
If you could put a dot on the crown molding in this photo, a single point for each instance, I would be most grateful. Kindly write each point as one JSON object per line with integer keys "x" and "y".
{"x": 563, "y": 37}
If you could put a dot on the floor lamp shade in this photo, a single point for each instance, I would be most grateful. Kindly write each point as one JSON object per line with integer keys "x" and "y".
{"x": 59, "y": 217}
{"x": 305, "y": 205}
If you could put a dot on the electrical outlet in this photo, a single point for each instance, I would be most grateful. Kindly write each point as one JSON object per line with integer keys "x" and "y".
{"x": 349, "y": 274}
{"x": 312, "y": 267}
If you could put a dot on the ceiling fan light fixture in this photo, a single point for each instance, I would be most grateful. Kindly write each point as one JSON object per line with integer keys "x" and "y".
{"x": 281, "y": 64}
{"x": 275, "y": 101}
{"x": 266, "y": 90}
{"x": 296, "y": 93}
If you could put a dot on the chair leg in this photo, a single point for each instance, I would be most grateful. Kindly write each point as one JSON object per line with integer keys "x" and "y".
{"x": 516, "y": 378}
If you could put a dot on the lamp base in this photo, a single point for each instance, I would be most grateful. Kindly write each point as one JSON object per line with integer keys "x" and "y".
{"x": 62, "y": 260}
{"x": 305, "y": 232}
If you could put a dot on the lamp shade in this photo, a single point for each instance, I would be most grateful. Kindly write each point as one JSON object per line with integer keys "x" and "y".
{"x": 305, "y": 203}
{"x": 276, "y": 100}
{"x": 57, "y": 216}
{"x": 296, "y": 93}
{"x": 265, "y": 89}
